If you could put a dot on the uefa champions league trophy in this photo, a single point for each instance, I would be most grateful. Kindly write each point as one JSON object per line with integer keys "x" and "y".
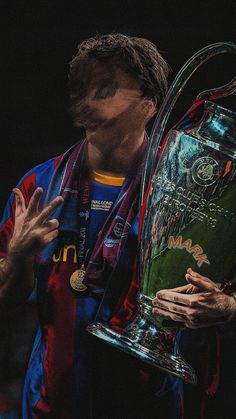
{"x": 190, "y": 215}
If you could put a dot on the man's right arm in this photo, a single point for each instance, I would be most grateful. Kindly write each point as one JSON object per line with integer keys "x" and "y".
{"x": 16, "y": 281}
{"x": 32, "y": 231}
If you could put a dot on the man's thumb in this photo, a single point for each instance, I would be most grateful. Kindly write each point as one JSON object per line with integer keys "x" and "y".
{"x": 202, "y": 282}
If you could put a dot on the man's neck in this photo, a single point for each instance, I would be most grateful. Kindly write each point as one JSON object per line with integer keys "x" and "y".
{"x": 113, "y": 156}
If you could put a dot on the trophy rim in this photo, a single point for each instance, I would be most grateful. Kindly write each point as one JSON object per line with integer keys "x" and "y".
{"x": 213, "y": 107}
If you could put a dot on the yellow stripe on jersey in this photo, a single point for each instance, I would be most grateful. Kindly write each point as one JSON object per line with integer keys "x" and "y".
{"x": 107, "y": 180}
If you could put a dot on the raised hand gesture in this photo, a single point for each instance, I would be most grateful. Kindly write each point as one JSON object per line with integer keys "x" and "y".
{"x": 32, "y": 229}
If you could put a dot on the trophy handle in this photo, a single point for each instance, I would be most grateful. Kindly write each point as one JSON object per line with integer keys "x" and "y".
{"x": 173, "y": 93}
{"x": 222, "y": 91}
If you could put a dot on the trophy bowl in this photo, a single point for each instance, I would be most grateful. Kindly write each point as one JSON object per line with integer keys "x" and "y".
{"x": 189, "y": 217}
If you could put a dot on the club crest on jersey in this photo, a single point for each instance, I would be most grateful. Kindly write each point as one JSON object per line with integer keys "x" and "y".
{"x": 118, "y": 229}
{"x": 196, "y": 250}
{"x": 110, "y": 242}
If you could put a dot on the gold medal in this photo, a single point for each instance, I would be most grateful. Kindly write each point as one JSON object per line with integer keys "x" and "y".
{"x": 76, "y": 280}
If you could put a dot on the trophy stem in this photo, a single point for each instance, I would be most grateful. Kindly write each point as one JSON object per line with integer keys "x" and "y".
{"x": 146, "y": 339}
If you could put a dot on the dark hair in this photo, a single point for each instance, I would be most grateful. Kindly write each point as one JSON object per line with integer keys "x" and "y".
{"x": 137, "y": 56}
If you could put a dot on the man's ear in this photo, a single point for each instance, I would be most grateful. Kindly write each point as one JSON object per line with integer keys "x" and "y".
{"x": 150, "y": 108}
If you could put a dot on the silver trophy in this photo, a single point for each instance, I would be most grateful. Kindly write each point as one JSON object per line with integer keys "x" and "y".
{"x": 190, "y": 215}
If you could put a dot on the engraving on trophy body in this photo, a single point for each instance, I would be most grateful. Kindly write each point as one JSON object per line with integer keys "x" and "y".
{"x": 192, "y": 198}
{"x": 205, "y": 171}
{"x": 195, "y": 250}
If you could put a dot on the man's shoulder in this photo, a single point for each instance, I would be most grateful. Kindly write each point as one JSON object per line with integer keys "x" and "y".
{"x": 41, "y": 175}
{"x": 43, "y": 168}
{"x": 49, "y": 166}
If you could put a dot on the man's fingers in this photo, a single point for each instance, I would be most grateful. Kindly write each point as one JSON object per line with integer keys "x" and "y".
{"x": 192, "y": 272}
{"x": 182, "y": 289}
{"x": 34, "y": 202}
{"x": 202, "y": 282}
{"x": 176, "y": 297}
{"x": 187, "y": 312}
{"x": 47, "y": 227}
{"x": 185, "y": 289}
{"x": 50, "y": 236}
{"x": 51, "y": 224}
{"x": 168, "y": 315}
{"x": 50, "y": 208}
{"x": 20, "y": 201}
{"x": 172, "y": 307}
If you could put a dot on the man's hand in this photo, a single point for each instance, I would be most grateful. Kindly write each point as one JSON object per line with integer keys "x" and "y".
{"x": 198, "y": 304}
{"x": 32, "y": 229}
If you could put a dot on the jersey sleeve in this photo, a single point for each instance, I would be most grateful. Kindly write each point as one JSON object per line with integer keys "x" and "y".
{"x": 38, "y": 176}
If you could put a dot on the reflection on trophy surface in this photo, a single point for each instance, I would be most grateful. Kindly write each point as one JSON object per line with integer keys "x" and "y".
{"x": 192, "y": 207}
{"x": 189, "y": 218}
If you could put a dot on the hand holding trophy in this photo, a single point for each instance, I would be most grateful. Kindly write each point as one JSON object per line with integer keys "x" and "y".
{"x": 189, "y": 224}
{"x": 201, "y": 303}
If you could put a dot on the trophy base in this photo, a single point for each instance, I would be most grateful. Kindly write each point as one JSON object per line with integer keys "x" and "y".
{"x": 147, "y": 342}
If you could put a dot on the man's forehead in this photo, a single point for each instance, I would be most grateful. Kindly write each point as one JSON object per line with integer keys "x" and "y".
{"x": 110, "y": 74}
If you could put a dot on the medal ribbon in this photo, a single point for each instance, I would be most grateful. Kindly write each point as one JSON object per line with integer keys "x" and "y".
{"x": 71, "y": 179}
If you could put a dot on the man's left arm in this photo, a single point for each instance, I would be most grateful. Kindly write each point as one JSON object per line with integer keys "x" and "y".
{"x": 200, "y": 303}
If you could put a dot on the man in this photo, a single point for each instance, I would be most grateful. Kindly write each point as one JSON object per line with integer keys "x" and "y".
{"x": 71, "y": 224}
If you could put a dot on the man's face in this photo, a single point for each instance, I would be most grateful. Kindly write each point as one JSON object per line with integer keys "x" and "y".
{"x": 113, "y": 101}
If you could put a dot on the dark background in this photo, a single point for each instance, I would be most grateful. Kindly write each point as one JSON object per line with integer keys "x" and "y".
{"x": 38, "y": 41}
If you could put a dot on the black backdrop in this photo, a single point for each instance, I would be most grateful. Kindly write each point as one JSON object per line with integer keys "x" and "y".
{"x": 38, "y": 41}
